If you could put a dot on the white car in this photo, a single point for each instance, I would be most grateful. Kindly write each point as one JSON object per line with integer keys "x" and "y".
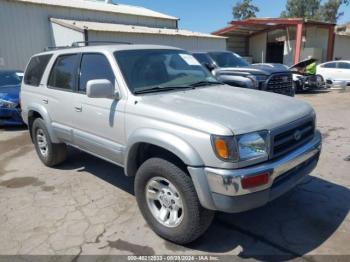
{"x": 335, "y": 71}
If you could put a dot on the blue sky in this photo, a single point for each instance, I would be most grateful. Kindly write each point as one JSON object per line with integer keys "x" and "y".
{"x": 210, "y": 15}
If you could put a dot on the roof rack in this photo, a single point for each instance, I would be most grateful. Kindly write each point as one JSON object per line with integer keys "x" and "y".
{"x": 87, "y": 43}
{"x": 49, "y": 48}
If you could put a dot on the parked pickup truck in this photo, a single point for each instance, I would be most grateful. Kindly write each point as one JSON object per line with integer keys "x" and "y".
{"x": 194, "y": 145}
{"x": 231, "y": 69}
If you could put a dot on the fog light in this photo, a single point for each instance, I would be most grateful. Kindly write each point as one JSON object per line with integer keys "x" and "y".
{"x": 254, "y": 181}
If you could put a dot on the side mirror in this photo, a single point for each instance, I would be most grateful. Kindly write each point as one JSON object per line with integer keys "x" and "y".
{"x": 209, "y": 66}
{"x": 100, "y": 88}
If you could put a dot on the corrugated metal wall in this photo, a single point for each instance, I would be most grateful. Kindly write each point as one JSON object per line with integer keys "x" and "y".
{"x": 25, "y": 28}
{"x": 238, "y": 44}
{"x": 184, "y": 42}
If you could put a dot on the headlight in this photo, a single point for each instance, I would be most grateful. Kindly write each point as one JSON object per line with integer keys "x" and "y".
{"x": 252, "y": 146}
{"x": 7, "y": 104}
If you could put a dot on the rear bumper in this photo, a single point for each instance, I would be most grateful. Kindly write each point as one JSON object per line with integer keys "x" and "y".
{"x": 10, "y": 117}
{"x": 220, "y": 189}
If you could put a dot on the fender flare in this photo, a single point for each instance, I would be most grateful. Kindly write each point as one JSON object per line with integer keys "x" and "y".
{"x": 168, "y": 141}
{"x": 46, "y": 117}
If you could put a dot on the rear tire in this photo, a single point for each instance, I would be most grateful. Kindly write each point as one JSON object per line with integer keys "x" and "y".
{"x": 191, "y": 222}
{"x": 50, "y": 154}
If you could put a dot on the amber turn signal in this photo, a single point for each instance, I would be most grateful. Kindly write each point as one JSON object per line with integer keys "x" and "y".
{"x": 221, "y": 148}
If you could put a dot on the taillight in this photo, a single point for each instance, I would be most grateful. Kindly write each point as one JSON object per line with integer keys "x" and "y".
{"x": 255, "y": 181}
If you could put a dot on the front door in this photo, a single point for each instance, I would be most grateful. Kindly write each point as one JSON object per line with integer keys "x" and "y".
{"x": 99, "y": 122}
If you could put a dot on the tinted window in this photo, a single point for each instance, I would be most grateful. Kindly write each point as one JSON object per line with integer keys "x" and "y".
{"x": 228, "y": 59}
{"x": 94, "y": 66}
{"x": 10, "y": 78}
{"x": 330, "y": 65}
{"x": 35, "y": 69}
{"x": 343, "y": 65}
{"x": 203, "y": 58}
{"x": 63, "y": 72}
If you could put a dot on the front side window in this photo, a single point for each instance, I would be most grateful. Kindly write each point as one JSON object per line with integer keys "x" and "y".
{"x": 10, "y": 78}
{"x": 203, "y": 58}
{"x": 92, "y": 67}
{"x": 35, "y": 69}
{"x": 228, "y": 59}
{"x": 343, "y": 65}
{"x": 150, "y": 69}
{"x": 63, "y": 73}
{"x": 330, "y": 65}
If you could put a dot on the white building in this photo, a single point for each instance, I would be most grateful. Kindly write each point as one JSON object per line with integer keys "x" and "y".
{"x": 29, "y": 26}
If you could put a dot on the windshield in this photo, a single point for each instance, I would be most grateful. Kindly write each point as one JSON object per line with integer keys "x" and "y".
{"x": 10, "y": 78}
{"x": 160, "y": 69}
{"x": 228, "y": 59}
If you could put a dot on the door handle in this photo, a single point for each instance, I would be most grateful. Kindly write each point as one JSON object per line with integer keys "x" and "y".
{"x": 78, "y": 108}
{"x": 45, "y": 101}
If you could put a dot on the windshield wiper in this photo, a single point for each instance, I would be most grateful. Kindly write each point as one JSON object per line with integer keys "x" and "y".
{"x": 162, "y": 89}
{"x": 206, "y": 83}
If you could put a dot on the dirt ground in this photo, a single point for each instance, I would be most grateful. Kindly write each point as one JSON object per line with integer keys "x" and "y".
{"x": 86, "y": 206}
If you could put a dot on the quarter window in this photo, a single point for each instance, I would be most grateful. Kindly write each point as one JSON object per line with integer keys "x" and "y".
{"x": 94, "y": 66}
{"x": 35, "y": 69}
{"x": 63, "y": 73}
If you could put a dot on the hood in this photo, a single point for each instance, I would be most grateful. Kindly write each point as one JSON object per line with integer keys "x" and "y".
{"x": 223, "y": 109}
{"x": 255, "y": 69}
{"x": 304, "y": 63}
{"x": 10, "y": 93}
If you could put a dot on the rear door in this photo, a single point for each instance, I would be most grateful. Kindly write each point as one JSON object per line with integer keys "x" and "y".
{"x": 344, "y": 71}
{"x": 99, "y": 122}
{"x": 59, "y": 99}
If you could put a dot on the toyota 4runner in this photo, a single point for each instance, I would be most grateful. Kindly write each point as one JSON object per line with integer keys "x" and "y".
{"x": 193, "y": 144}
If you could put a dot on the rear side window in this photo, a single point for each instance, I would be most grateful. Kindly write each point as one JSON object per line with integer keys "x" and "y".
{"x": 344, "y": 65}
{"x": 330, "y": 65}
{"x": 63, "y": 73}
{"x": 94, "y": 66}
{"x": 35, "y": 69}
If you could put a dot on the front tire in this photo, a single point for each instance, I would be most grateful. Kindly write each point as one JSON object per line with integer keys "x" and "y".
{"x": 50, "y": 154}
{"x": 169, "y": 203}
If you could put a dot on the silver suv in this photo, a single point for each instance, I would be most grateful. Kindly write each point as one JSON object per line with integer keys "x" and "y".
{"x": 193, "y": 144}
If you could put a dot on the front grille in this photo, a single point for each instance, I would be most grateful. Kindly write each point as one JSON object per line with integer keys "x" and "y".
{"x": 280, "y": 83}
{"x": 292, "y": 136}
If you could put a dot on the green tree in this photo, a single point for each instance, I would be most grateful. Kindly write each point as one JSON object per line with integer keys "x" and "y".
{"x": 244, "y": 9}
{"x": 302, "y": 8}
{"x": 330, "y": 10}
{"x": 313, "y": 9}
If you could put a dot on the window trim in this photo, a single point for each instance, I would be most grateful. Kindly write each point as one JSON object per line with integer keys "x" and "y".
{"x": 338, "y": 64}
{"x": 42, "y": 75}
{"x": 73, "y": 90}
{"x": 79, "y": 70}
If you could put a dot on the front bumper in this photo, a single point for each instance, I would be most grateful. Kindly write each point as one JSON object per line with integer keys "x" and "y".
{"x": 10, "y": 117}
{"x": 220, "y": 189}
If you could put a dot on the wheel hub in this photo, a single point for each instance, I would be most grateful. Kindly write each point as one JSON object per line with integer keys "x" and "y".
{"x": 164, "y": 201}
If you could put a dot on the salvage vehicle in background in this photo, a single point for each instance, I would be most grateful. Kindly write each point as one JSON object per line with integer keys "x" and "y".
{"x": 231, "y": 69}
{"x": 10, "y": 83}
{"x": 304, "y": 79}
{"x": 194, "y": 145}
{"x": 335, "y": 71}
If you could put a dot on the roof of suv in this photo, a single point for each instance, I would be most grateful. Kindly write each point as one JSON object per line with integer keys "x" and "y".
{"x": 110, "y": 48}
